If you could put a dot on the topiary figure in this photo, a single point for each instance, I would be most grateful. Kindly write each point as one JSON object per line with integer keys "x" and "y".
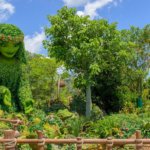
{"x": 15, "y": 93}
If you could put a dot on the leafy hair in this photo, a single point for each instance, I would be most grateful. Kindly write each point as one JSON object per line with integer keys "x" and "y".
{"x": 11, "y": 33}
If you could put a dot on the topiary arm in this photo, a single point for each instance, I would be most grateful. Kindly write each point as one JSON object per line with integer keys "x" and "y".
{"x": 24, "y": 92}
{"x": 6, "y": 95}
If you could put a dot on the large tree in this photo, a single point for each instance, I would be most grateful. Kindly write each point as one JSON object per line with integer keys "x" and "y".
{"x": 83, "y": 45}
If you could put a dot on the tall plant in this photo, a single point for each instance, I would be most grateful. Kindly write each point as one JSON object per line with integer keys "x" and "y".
{"x": 83, "y": 45}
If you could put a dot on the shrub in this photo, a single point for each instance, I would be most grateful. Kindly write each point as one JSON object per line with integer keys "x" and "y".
{"x": 117, "y": 125}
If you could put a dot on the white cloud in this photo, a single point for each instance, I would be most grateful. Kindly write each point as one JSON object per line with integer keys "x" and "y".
{"x": 80, "y": 13}
{"x": 34, "y": 43}
{"x": 75, "y": 3}
{"x": 90, "y": 6}
{"x": 6, "y": 9}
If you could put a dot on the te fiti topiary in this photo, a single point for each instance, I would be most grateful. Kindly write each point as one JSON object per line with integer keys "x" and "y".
{"x": 15, "y": 91}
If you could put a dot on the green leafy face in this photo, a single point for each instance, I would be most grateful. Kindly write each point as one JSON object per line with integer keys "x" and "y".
{"x": 9, "y": 49}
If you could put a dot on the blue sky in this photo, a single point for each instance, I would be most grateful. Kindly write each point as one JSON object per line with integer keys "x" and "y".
{"x": 31, "y": 15}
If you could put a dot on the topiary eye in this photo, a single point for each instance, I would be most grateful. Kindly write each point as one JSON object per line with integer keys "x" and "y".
{"x": 16, "y": 44}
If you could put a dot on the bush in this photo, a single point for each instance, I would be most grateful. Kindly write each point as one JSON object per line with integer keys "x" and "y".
{"x": 64, "y": 114}
{"x": 96, "y": 113}
{"x": 119, "y": 126}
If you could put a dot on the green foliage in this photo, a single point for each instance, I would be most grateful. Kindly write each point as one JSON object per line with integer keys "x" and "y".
{"x": 10, "y": 73}
{"x": 78, "y": 103}
{"x": 96, "y": 113}
{"x": 140, "y": 62}
{"x": 3, "y": 126}
{"x": 42, "y": 76}
{"x": 120, "y": 126}
{"x": 6, "y": 96}
{"x": 53, "y": 119}
{"x": 53, "y": 126}
{"x": 64, "y": 114}
{"x": 125, "y": 70}
{"x": 56, "y": 106}
{"x": 9, "y": 32}
{"x": 13, "y": 73}
{"x": 75, "y": 126}
{"x": 146, "y": 94}
{"x": 146, "y": 129}
{"x": 93, "y": 49}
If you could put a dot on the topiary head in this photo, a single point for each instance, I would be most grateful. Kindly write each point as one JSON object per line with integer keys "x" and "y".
{"x": 11, "y": 42}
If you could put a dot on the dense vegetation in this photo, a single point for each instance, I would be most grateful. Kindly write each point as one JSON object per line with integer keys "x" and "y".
{"x": 15, "y": 93}
{"x": 95, "y": 82}
{"x": 110, "y": 66}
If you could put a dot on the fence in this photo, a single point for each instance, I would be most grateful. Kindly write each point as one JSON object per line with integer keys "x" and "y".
{"x": 10, "y": 140}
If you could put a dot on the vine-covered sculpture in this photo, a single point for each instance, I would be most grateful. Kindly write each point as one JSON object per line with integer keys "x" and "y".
{"x": 15, "y": 93}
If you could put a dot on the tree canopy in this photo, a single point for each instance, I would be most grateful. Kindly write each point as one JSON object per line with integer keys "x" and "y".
{"x": 86, "y": 46}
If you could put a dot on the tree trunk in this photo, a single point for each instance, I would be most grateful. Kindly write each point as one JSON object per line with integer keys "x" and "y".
{"x": 88, "y": 100}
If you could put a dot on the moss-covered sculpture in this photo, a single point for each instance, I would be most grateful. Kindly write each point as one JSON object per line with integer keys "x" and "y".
{"x": 15, "y": 91}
